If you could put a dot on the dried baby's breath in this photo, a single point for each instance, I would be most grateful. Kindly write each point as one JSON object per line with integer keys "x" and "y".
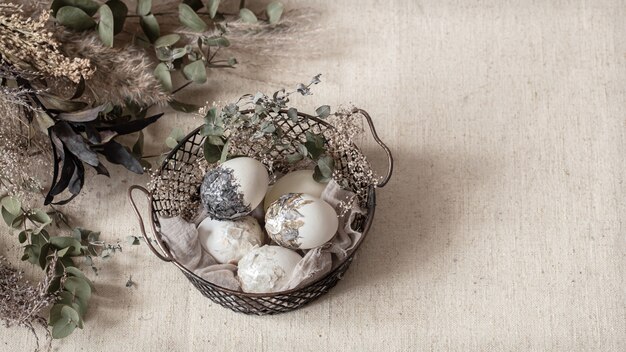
{"x": 355, "y": 172}
{"x": 23, "y": 155}
{"x": 180, "y": 185}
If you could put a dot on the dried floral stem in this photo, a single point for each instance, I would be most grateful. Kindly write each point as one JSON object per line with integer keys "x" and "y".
{"x": 20, "y": 303}
{"x": 26, "y": 43}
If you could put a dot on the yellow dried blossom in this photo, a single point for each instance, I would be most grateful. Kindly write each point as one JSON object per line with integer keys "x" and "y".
{"x": 26, "y": 43}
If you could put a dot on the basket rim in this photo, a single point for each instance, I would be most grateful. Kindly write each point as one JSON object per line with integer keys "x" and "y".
{"x": 371, "y": 206}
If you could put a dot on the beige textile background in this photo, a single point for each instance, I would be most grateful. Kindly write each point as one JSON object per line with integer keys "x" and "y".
{"x": 502, "y": 228}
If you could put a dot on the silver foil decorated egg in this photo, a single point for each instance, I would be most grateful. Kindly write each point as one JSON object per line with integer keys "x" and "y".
{"x": 300, "y": 221}
{"x": 234, "y": 188}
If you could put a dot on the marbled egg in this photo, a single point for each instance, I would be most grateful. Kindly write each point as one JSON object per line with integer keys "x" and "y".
{"x": 234, "y": 188}
{"x": 267, "y": 269}
{"x": 229, "y": 240}
{"x": 300, "y": 221}
{"x": 300, "y": 181}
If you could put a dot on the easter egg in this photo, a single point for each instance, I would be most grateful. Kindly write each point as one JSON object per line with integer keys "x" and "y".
{"x": 267, "y": 269}
{"x": 234, "y": 188}
{"x": 300, "y": 181}
{"x": 229, "y": 240}
{"x": 300, "y": 221}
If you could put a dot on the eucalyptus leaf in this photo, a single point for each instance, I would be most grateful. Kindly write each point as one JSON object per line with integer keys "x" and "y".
{"x": 74, "y": 18}
{"x": 55, "y": 311}
{"x": 106, "y": 25}
{"x": 212, "y": 6}
{"x": 315, "y": 145}
{"x": 120, "y": 10}
{"x": 274, "y": 11}
{"x": 67, "y": 324}
{"x": 292, "y": 113}
{"x": 292, "y": 158}
{"x": 323, "y": 111}
{"x": 77, "y": 286}
{"x": 225, "y": 149}
{"x": 216, "y": 41}
{"x": 12, "y": 205}
{"x": 326, "y": 164}
{"x": 90, "y": 7}
{"x": 63, "y": 252}
{"x": 195, "y": 71}
{"x": 40, "y": 216}
{"x": 215, "y": 140}
{"x": 190, "y": 19}
{"x": 167, "y": 40}
{"x": 61, "y": 242}
{"x": 22, "y": 237}
{"x": 74, "y": 271}
{"x": 212, "y": 153}
{"x": 177, "y": 53}
{"x": 8, "y": 217}
{"x": 18, "y": 221}
{"x": 319, "y": 176}
{"x": 163, "y": 75}
{"x": 247, "y": 16}
{"x": 213, "y": 124}
{"x": 302, "y": 150}
{"x": 177, "y": 134}
{"x": 171, "y": 142}
{"x": 150, "y": 27}
{"x": 43, "y": 255}
{"x": 144, "y": 7}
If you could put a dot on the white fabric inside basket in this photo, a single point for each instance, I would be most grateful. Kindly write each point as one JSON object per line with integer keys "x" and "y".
{"x": 181, "y": 237}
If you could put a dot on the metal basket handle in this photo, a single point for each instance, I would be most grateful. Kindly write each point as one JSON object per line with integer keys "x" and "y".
{"x": 164, "y": 257}
{"x": 385, "y": 179}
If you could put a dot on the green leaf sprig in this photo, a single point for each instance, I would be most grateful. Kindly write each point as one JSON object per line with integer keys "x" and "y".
{"x": 261, "y": 113}
{"x": 192, "y": 61}
{"x": 42, "y": 248}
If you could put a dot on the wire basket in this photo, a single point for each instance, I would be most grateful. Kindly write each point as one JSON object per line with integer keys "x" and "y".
{"x": 181, "y": 159}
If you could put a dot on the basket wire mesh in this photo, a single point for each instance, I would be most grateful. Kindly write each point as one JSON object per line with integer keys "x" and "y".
{"x": 182, "y": 160}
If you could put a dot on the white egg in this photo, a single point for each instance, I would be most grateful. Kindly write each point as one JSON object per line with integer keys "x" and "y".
{"x": 300, "y": 221}
{"x": 229, "y": 240}
{"x": 234, "y": 188}
{"x": 267, "y": 269}
{"x": 300, "y": 181}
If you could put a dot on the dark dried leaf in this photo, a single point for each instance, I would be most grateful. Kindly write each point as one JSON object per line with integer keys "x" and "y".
{"x": 82, "y": 116}
{"x": 132, "y": 126}
{"x": 75, "y": 143}
{"x": 118, "y": 154}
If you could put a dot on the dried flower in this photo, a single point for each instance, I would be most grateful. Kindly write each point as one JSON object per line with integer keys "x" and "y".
{"x": 26, "y": 43}
{"x": 21, "y": 303}
{"x": 122, "y": 74}
{"x": 24, "y": 154}
{"x": 354, "y": 171}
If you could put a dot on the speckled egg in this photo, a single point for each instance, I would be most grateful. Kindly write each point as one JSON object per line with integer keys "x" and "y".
{"x": 300, "y": 221}
{"x": 229, "y": 240}
{"x": 267, "y": 269}
{"x": 300, "y": 181}
{"x": 234, "y": 188}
